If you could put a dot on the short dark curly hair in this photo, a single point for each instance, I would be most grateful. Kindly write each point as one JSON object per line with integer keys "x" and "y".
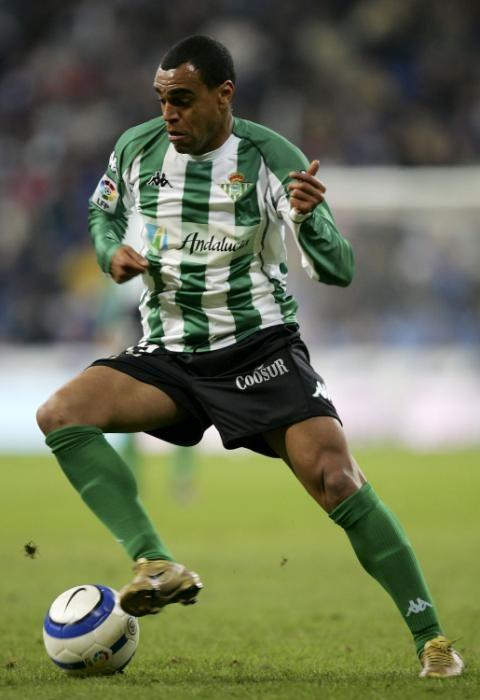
{"x": 211, "y": 58}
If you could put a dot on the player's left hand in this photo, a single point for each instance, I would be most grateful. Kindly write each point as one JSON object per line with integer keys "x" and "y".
{"x": 306, "y": 191}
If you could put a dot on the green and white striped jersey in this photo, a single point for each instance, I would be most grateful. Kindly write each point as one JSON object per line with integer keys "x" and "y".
{"x": 214, "y": 233}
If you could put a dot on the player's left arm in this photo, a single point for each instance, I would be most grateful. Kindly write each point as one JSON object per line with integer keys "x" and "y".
{"x": 326, "y": 254}
{"x": 306, "y": 192}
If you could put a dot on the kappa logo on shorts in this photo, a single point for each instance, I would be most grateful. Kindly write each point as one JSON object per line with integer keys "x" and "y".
{"x": 262, "y": 374}
{"x": 321, "y": 391}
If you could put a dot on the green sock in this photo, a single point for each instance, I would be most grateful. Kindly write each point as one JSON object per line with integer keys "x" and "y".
{"x": 386, "y": 554}
{"x": 108, "y": 487}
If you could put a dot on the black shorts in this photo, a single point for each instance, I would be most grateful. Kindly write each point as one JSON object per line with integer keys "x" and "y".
{"x": 264, "y": 382}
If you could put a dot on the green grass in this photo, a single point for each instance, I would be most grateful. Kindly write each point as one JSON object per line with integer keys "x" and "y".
{"x": 286, "y": 612}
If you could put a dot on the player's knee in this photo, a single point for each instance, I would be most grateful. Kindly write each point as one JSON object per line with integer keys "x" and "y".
{"x": 52, "y": 415}
{"x": 339, "y": 483}
{"x": 334, "y": 477}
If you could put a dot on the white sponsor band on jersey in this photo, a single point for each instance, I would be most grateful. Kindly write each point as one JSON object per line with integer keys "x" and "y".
{"x": 195, "y": 244}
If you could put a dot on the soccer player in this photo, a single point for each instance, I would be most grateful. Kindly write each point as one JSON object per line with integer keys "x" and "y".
{"x": 220, "y": 344}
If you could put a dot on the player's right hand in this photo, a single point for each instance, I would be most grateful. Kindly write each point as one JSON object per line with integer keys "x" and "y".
{"x": 127, "y": 263}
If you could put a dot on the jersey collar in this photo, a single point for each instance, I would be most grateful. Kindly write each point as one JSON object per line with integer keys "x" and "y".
{"x": 211, "y": 155}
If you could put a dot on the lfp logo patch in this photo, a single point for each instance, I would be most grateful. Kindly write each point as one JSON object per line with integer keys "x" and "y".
{"x": 108, "y": 189}
{"x": 106, "y": 195}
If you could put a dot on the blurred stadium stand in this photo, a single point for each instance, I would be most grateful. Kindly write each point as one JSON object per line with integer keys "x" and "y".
{"x": 386, "y": 94}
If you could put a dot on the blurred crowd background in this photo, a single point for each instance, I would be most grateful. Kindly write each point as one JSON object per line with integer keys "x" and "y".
{"x": 352, "y": 82}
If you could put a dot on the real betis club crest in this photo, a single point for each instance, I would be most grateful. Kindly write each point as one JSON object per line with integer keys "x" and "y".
{"x": 236, "y": 186}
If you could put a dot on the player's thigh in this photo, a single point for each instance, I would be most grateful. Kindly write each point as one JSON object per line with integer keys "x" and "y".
{"x": 111, "y": 400}
{"x": 302, "y": 444}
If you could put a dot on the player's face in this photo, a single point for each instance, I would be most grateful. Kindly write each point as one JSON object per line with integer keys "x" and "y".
{"x": 198, "y": 118}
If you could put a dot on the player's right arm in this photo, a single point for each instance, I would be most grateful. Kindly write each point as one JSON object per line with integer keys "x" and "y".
{"x": 108, "y": 211}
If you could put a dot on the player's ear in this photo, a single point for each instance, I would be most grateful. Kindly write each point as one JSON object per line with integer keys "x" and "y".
{"x": 225, "y": 93}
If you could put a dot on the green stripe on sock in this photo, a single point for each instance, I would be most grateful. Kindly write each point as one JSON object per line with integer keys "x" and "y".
{"x": 385, "y": 552}
{"x": 108, "y": 487}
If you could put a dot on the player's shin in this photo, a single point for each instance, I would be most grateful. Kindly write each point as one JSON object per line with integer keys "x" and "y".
{"x": 108, "y": 487}
{"x": 385, "y": 552}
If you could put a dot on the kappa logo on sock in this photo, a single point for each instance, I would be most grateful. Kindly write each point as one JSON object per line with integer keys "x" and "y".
{"x": 417, "y": 607}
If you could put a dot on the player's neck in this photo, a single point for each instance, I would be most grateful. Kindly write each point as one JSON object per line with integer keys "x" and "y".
{"x": 223, "y": 134}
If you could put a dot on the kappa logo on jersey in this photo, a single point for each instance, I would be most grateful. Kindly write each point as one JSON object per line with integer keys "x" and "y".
{"x": 157, "y": 236}
{"x": 158, "y": 180}
{"x": 321, "y": 391}
{"x": 418, "y": 606}
{"x": 236, "y": 186}
{"x": 106, "y": 194}
{"x": 262, "y": 374}
{"x": 112, "y": 162}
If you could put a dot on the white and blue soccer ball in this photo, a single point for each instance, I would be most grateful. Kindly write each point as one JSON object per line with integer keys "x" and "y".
{"x": 86, "y": 632}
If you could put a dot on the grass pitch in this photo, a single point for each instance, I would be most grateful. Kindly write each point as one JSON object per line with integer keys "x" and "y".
{"x": 287, "y": 612}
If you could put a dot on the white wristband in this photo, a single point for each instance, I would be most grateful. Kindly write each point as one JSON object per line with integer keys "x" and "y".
{"x": 297, "y": 217}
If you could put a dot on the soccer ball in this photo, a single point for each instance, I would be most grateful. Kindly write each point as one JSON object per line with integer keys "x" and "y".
{"x": 86, "y": 632}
